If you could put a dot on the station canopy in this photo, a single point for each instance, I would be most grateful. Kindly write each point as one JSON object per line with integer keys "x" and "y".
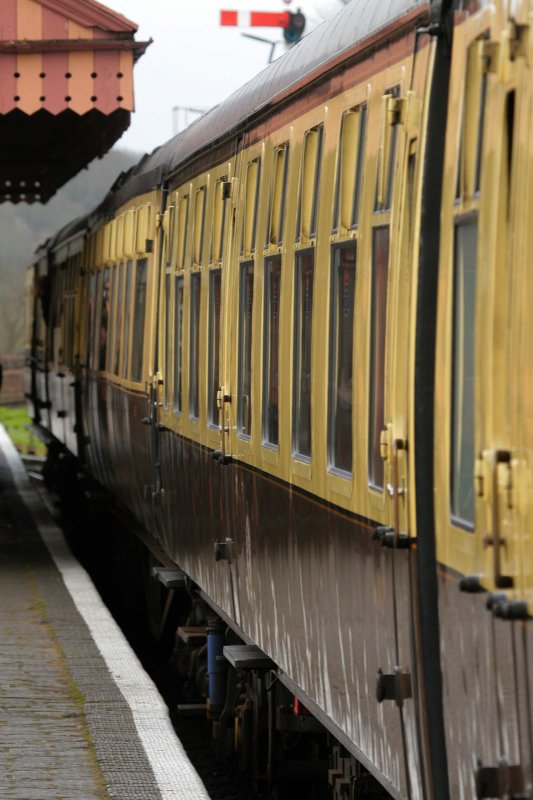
{"x": 66, "y": 90}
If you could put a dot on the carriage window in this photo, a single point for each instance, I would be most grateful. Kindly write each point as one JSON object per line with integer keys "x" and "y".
{"x": 246, "y": 299}
{"x": 350, "y": 170}
{"x": 171, "y": 234}
{"x": 310, "y": 184}
{"x": 199, "y": 220}
{"x": 303, "y": 317}
{"x": 139, "y": 314}
{"x": 359, "y": 166}
{"x": 104, "y": 320}
{"x": 168, "y": 329}
{"x": 387, "y": 152}
{"x": 178, "y": 344}
{"x": 340, "y": 359}
{"x": 118, "y": 320}
{"x": 183, "y": 222}
{"x": 271, "y": 350}
{"x": 90, "y": 320}
{"x": 219, "y": 221}
{"x": 127, "y": 314}
{"x": 194, "y": 351}
{"x": 463, "y": 355}
{"x": 97, "y": 319}
{"x": 215, "y": 287}
{"x": 110, "y": 349}
{"x": 473, "y": 117}
{"x": 251, "y": 203}
{"x": 481, "y": 122}
{"x": 278, "y": 194}
{"x": 380, "y": 277}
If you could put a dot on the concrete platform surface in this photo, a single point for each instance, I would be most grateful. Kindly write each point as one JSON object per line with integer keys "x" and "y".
{"x": 79, "y": 717}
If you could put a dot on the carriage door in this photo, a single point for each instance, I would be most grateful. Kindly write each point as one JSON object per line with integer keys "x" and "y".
{"x": 388, "y": 451}
{"x": 477, "y": 411}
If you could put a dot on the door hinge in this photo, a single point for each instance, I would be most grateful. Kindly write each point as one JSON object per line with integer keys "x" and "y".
{"x": 394, "y": 686}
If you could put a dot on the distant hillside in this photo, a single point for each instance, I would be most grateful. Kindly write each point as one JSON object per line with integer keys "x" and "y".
{"x": 24, "y": 227}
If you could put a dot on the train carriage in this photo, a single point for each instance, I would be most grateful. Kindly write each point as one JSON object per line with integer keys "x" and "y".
{"x": 298, "y": 338}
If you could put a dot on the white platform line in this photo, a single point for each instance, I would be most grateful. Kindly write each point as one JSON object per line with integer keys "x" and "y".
{"x": 176, "y": 777}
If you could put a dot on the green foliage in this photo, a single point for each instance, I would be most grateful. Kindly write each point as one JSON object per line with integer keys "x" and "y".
{"x": 16, "y": 422}
{"x": 24, "y": 227}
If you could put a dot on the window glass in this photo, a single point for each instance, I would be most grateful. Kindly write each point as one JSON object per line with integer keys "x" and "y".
{"x": 278, "y": 193}
{"x": 127, "y": 313}
{"x": 139, "y": 314}
{"x": 199, "y": 221}
{"x": 303, "y": 317}
{"x": 90, "y": 320}
{"x": 310, "y": 183}
{"x": 104, "y": 320}
{"x": 215, "y": 288}
{"x": 178, "y": 344}
{"x": 194, "y": 356}
{"x": 359, "y": 167}
{"x": 167, "y": 339}
{"x": 113, "y": 305}
{"x": 183, "y": 223}
{"x": 219, "y": 221}
{"x": 464, "y": 322}
{"x": 246, "y": 299}
{"x": 271, "y": 350}
{"x": 481, "y": 122}
{"x": 349, "y": 170}
{"x": 251, "y": 203}
{"x": 97, "y": 320}
{"x": 118, "y": 320}
{"x": 387, "y": 155}
{"x": 340, "y": 359}
{"x": 380, "y": 277}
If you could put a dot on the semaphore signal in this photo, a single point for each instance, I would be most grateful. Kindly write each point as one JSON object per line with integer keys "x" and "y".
{"x": 293, "y": 23}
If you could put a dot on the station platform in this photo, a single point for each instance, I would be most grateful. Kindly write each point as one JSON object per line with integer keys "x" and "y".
{"x": 79, "y": 717}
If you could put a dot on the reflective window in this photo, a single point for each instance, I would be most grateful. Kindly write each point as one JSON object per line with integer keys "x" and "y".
{"x": 139, "y": 314}
{"x": 90, "y": 320}
{"x": 111, "y": 347}
{"x": 341, "y": 358}
{"x": 278, "y": 191}
{"x": 387, "y": 155}
{"x": 96, "y": 322}
{"x": 104, "y": 320}
{"x": 215, "y": 288}
{"x": 127, "y": 316}
{"x": 271, "y": 350}
{"x": 219, "y": 220}
{"x": 246, "y": 300}
{"x": 168, "y": 331}
{"x": 349, "y": 170}
{"x": 178, "y": 344}
{"x": 303, "y": 318}
{"x": 464, "y": 323}
{"x": 251, "y": 206}
{"x": 310, "y": 183}
{"x": 194, "y": 351}
{"x": 380, "y": 277}
{"x": 118, "y": 320}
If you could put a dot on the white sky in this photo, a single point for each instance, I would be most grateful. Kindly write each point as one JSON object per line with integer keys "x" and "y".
{"x": 193, "y": 61}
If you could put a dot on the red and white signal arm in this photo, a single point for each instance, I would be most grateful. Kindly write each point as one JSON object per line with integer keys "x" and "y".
{"x": 293, "y": 24}
{"x": 255, "y": 19}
